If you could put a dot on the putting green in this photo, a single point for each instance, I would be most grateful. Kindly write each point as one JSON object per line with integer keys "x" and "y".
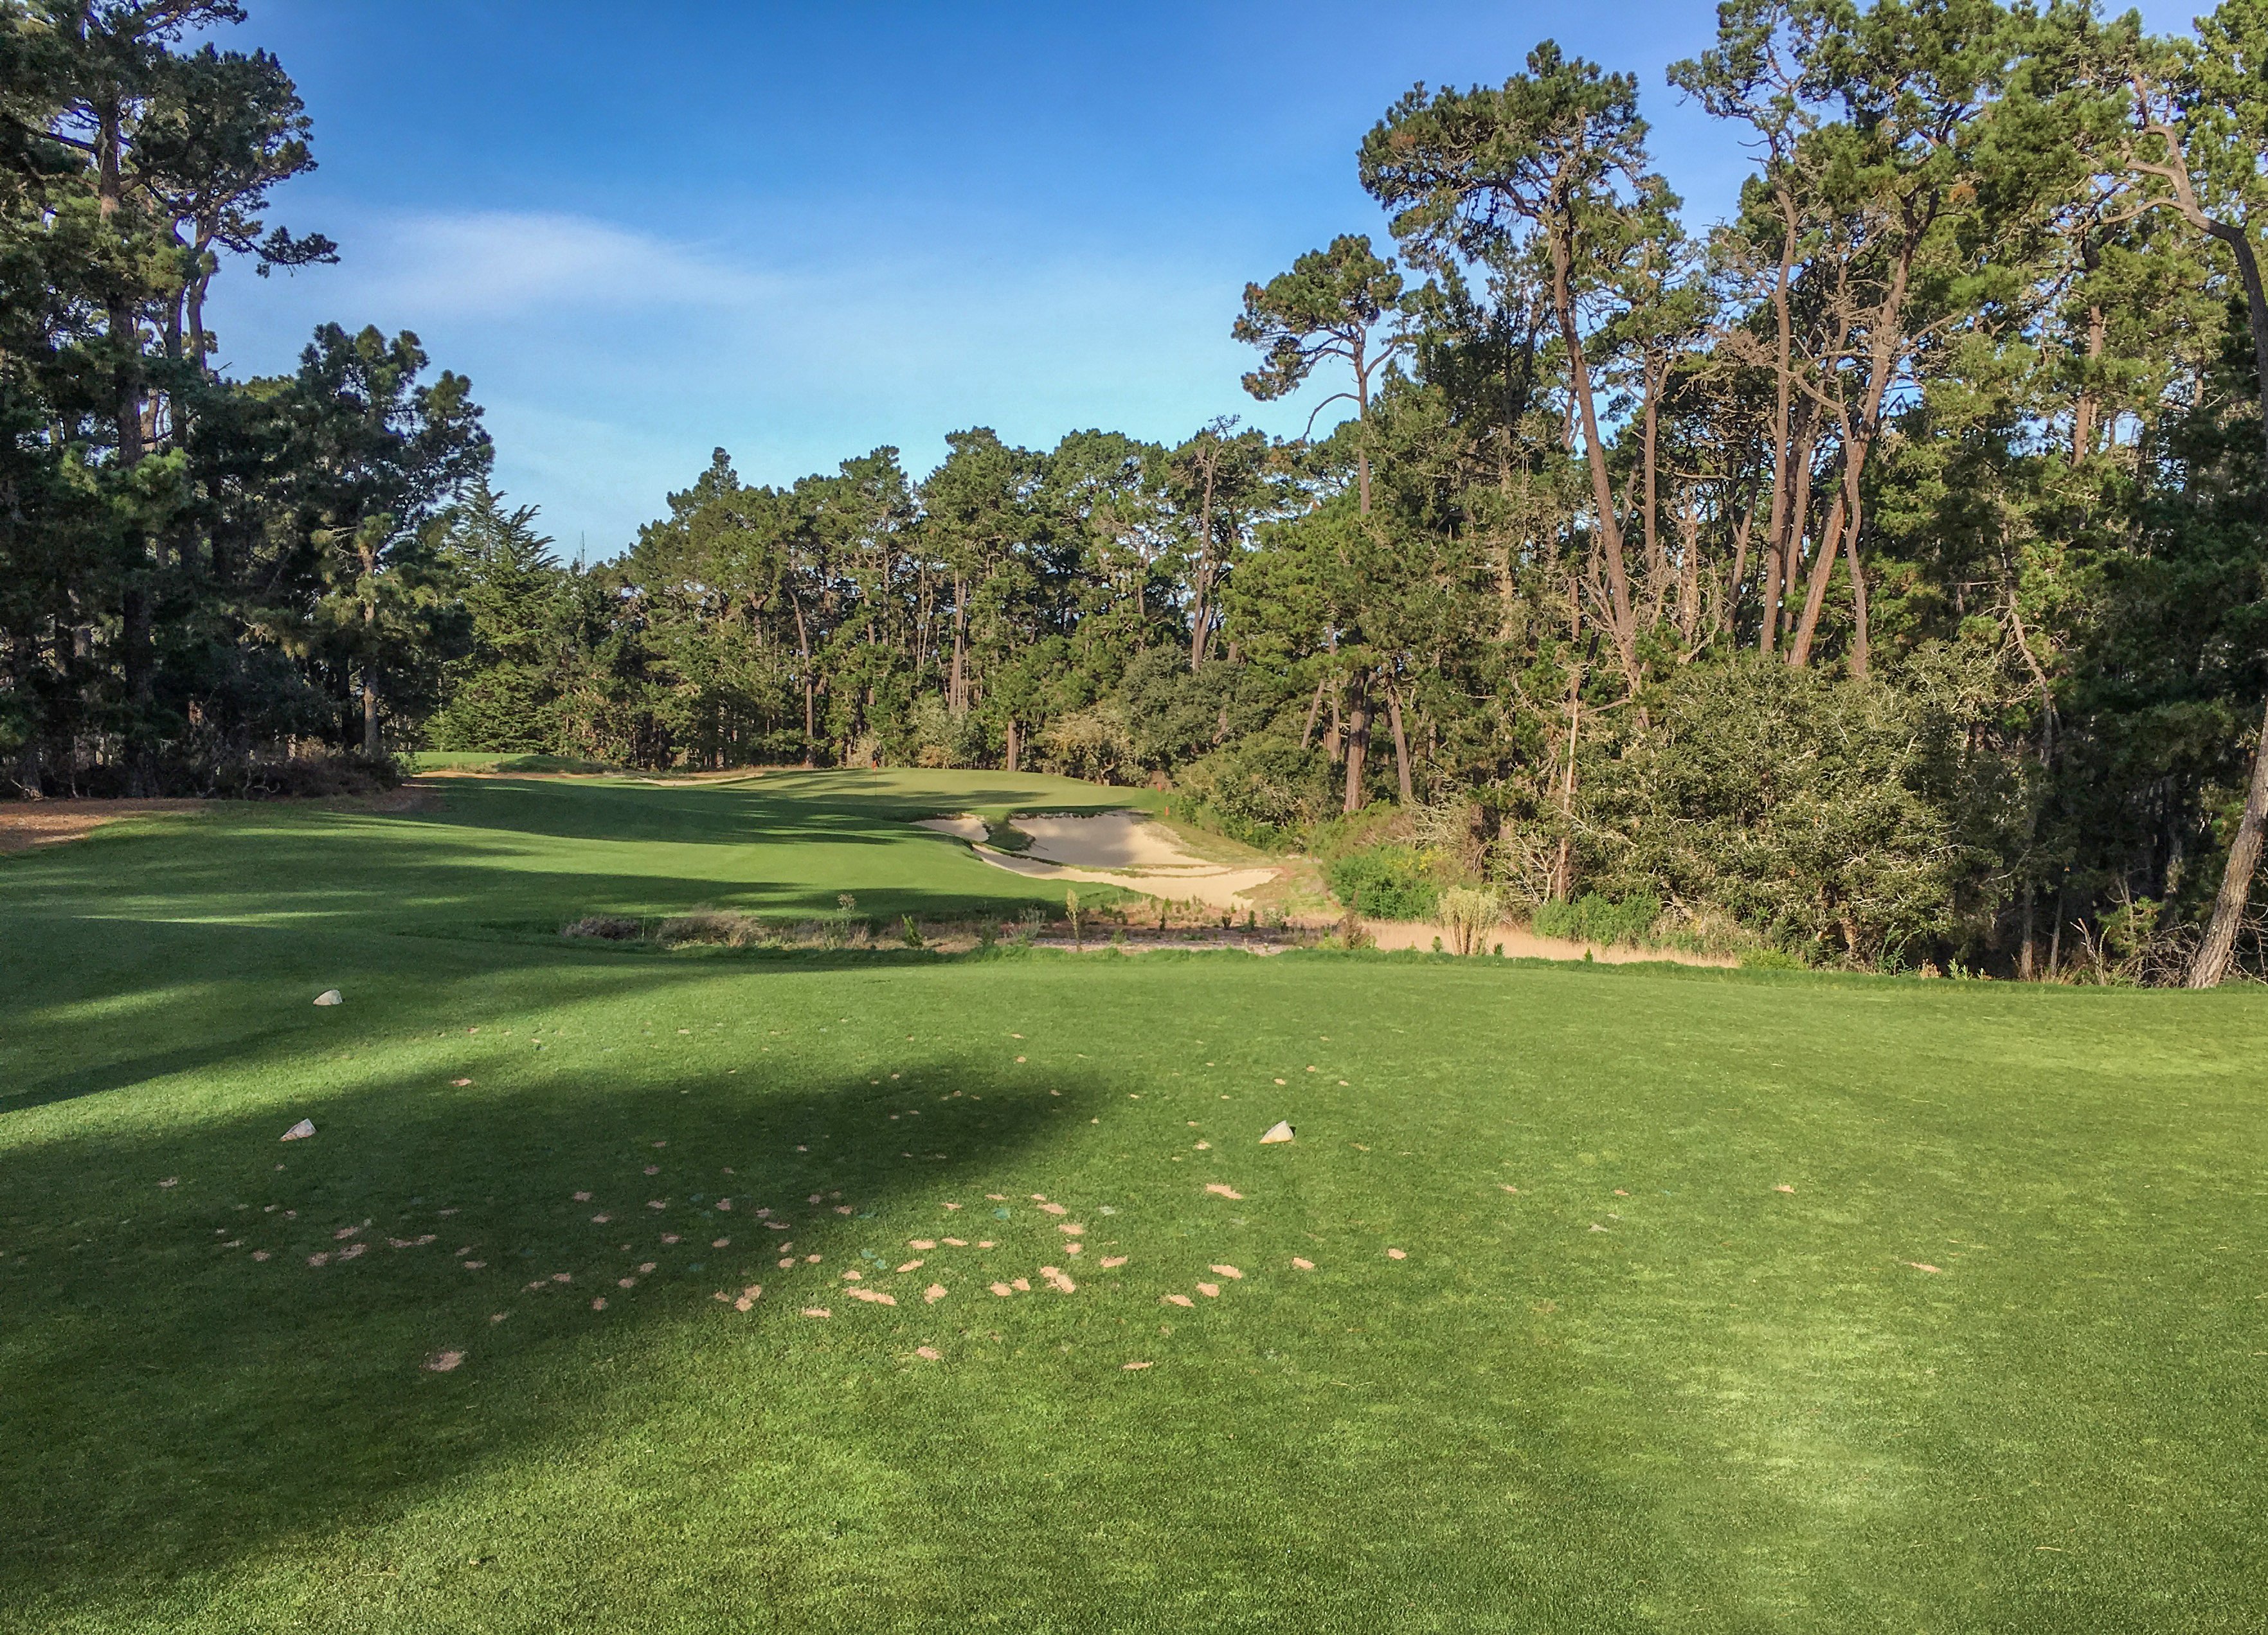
{"x": 1994, "y": 1362}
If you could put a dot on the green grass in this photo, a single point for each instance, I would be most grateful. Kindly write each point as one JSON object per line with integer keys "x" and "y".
{"x": 1732, "y": 1409}
{"x": 464, "y": 760}
{"x": 516, "y": 858}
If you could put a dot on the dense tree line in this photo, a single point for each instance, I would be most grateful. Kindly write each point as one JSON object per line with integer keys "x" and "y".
{"x": 195, "y": 572}
{"x": 1876, "y": 573}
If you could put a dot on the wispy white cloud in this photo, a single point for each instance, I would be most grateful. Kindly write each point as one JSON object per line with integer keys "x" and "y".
{"x": 613, "y": 358}
{"x": 499, "y": 264}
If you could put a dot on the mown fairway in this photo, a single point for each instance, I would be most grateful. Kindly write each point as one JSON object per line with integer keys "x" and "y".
{"x": 1996, "y": 1362}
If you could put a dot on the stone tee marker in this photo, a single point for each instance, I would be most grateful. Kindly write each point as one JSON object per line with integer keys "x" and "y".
{"x": 330, "y": 996}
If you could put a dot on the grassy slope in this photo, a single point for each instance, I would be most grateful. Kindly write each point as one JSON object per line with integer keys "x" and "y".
{"x": 1732, "y": 1409}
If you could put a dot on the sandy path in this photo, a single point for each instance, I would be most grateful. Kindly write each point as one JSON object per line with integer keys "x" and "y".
{"x": 1114, "y": 848}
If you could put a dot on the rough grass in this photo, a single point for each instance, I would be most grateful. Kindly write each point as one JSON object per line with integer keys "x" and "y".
{"x": 1618, "y": 1379}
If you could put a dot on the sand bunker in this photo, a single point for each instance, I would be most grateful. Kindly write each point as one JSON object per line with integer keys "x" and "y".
{"x": 1127, "y": 840}
{"x": 1123, "y": 849}
{"x": 969, "y": 829}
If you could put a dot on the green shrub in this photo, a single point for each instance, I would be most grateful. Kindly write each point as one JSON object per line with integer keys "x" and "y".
{"x": 1262, "y": 790}
{"x": 1772, "y": 959}
{"x": 1845, "y": 818}
{"x": 1592, "y": 918}
{"x": 942, "y": 739}
{"x": 1342, "y": 835}
{"x": 1266, "y": 837}
{"x": 1091, "y": 743}
{"x": 1384, "y": 883}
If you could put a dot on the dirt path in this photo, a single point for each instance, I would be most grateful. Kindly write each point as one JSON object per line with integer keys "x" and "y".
{"x": 25, "y": 825}
{"x": 28, "y": 825}
{"x": 1124, "y": 849}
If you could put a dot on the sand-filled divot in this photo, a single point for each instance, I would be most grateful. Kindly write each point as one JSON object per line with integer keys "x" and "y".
{"x": 1124, "y": 849}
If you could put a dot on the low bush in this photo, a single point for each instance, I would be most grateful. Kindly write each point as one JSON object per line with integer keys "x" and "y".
{"x": 302, "y": 777}
{"x": 1468, "y": 914}
{"x": 1771, "y": 959}
{"x": 1384, "y": 883}
{"x": 1592, "y": 918}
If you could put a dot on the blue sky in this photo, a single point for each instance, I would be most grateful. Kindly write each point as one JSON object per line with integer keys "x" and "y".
{"x": 800, "y": 231}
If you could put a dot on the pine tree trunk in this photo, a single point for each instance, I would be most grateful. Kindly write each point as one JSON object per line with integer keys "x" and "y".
{"x": 1401, "y": 746}
{"x": 1315, "y": 709}
{"x": 1563, "y": 872}
{"x": 956, "y": 698}
{"x": 1358, "y": 744}
{"x": 2219, "y": 945}
{"x": 27, "y": 775}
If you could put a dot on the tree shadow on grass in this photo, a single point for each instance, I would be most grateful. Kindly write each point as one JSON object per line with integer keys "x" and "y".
{"x": 177, "y": 1407}
{"x": 89, "y": 1007}
{"x": 842, "y": 807}
{"x": 406, "y": 875}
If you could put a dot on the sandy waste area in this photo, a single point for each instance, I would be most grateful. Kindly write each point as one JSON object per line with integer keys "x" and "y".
{"x": 1127, "y": 849}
